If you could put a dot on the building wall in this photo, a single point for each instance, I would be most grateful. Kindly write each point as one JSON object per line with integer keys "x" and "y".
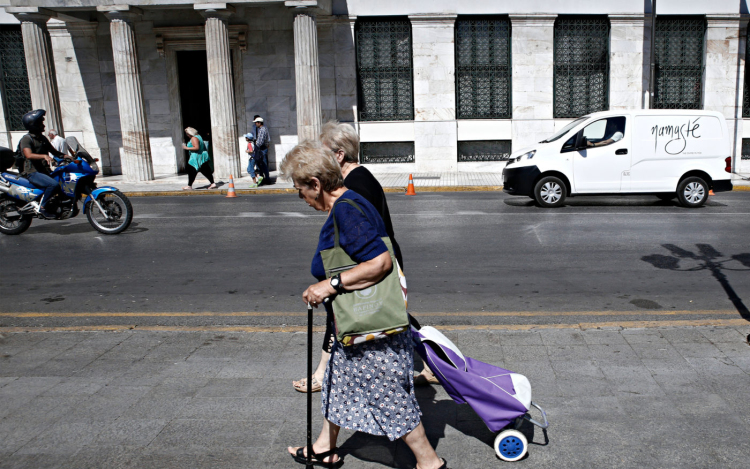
{"x": 88, "y": 93}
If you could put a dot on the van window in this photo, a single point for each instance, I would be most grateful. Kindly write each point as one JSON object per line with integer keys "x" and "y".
{"x": 570, "y": 145}
{"x": 564, "y": 130}
{"x": 605, "y": 131}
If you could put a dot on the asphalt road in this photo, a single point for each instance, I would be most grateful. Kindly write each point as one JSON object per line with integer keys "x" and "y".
{"x": 471, "y": 259}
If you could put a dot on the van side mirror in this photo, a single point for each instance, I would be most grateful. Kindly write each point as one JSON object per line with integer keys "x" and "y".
{"x": 582, "y": 143}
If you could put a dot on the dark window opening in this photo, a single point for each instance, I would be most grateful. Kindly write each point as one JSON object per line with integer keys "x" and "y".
{"x": 746, "y": 88}
{"x": 483, "y": 68}
{"x": 679, "y": 58}
{"x": 384, "y": 69}
{"x": 581, "y": 51}
{"x": 14, "y": 79}
{"x": 386, "y": 152}
{"x": 192, "y": 67}
{"x": 484, "y": 150}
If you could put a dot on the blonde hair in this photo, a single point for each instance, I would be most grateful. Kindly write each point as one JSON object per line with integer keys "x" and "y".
{"x": 337, "y": 136}
{"x": 310, "y": 159}
{"x": 191, "y": 131}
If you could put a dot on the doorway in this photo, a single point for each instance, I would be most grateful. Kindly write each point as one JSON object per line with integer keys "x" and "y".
{"x": 192, "y": 69}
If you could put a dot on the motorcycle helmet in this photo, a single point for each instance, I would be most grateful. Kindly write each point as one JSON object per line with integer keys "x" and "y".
{"x": 34, "y": 120}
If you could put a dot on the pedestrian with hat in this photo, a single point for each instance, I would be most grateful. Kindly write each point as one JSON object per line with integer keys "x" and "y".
{"x": 249, "y": 137}
{"x": 262, "y": 139}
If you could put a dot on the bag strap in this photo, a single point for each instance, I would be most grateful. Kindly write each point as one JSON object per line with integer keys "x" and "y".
{"x": 335, "y": 225}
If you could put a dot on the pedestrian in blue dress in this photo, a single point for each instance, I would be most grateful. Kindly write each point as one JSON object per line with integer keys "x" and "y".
{"x": 366, "y": 387}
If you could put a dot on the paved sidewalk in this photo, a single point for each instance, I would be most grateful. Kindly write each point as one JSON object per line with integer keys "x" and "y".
{"x": 666, "y": 397}
{"x": 391, "y": 182}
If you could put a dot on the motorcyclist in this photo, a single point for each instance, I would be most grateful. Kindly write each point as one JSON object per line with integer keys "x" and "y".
{"x": 36, "y": 149}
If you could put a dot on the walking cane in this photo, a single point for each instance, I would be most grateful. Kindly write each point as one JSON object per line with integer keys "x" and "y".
{"x": 309, "y": 462}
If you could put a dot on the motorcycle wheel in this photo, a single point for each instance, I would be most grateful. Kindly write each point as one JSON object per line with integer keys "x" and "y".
{"x": 16, "y": 224}
{"x": 119, "y": 213}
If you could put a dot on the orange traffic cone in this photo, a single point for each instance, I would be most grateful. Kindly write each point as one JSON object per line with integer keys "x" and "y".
{"x": 231, "y": 193}
{"x": 711, "y": 192}
{"x": 410, "y": 187}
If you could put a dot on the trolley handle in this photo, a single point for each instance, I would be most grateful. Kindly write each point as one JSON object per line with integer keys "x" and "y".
{"x": 544, "y": 415}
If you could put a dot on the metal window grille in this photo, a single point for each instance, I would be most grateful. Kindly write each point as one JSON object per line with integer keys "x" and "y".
{"x": 746, "y": 89}
{"x": 386, "y": 152}
{"x": 488, "y": 150}
{"x": 745, "y": 149}
{"x": 14, "y": 80}
{"x": 384, "y": 70}
{"x": 679, "y": 46}
{"x": 483, "y": 68}
{"x": 581, "y": 66}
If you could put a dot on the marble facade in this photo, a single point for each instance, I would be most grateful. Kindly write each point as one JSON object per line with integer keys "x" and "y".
{"x": 258, "y": 70}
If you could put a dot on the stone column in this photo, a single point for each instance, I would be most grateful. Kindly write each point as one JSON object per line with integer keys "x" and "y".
{"x": 307, "y": 75}
{"x": 533, "y": 74}
{"x": 136, "y": 165}
{"x": 723, "y": 77}
{"x": 435, "y": 132}
{"x": 40, "y": 64}
{"x": 224, "y": 138}
{"x": 626, "y": 86}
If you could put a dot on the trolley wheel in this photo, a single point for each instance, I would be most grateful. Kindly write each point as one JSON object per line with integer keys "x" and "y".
{"x": 511, "y": 445}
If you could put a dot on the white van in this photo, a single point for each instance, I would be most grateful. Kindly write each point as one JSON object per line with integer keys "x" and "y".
{"x": 670, "y": 154}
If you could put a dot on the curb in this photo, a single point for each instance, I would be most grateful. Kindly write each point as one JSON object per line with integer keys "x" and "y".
{"x": 390, "y": 190}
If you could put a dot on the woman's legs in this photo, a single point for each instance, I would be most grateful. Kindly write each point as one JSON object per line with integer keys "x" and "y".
{"x": 326, "y": 441}
{"x": 205, "y": 170}
{"x": 192, "y": 172}
{"x": 422, "y": 449}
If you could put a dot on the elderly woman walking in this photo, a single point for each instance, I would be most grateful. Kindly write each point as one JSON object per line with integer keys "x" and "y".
{"x": 343, "y": 141}
{"x": 367, "y": 387}
{"x": 199, "y": 161}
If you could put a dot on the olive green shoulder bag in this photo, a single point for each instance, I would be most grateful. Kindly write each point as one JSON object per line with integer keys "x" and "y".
{"x": 371, "y": 313}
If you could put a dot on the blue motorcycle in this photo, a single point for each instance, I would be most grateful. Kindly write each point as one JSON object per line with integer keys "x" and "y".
{"x": 108, "y": 210}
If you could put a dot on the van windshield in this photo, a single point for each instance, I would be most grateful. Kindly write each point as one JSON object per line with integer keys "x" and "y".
{"x": 565, "y": 130}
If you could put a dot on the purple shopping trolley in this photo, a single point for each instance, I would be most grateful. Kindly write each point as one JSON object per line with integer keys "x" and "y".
{"x": 500, "y": 397}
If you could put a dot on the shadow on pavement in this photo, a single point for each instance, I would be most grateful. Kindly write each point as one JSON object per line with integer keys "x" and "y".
{"x": 607, "y": 201}
{"x": 707, "y": 258}
{"x": 67, "y": 229}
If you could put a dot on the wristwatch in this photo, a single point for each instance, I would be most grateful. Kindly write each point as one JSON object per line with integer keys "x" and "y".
{"x": 336, "y": 283}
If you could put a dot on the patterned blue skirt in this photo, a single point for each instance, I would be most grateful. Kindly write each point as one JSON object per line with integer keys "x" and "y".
{"x": 370, "y": 387}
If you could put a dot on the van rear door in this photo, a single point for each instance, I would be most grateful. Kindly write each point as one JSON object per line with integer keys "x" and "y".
{"x": 667, "y": 146}
{"x": 601, "y": 165}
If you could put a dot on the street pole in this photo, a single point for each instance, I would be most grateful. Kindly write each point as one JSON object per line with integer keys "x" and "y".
{"x": 652, "y": 76}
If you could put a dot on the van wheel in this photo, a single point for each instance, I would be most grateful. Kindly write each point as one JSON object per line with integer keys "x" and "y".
{"x": 550, "y": 192}
{"x": 692, "y": 192}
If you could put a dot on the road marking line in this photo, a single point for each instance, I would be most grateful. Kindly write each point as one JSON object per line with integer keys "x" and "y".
{"x": 441, "y": 314}
{"x": 506, "y": 327}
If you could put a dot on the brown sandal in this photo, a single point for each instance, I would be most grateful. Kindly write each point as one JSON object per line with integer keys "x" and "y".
{"x": 316, "y": 386}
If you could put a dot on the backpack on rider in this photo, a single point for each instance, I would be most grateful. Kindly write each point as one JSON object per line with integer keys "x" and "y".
{"x": 7, "y": 159}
